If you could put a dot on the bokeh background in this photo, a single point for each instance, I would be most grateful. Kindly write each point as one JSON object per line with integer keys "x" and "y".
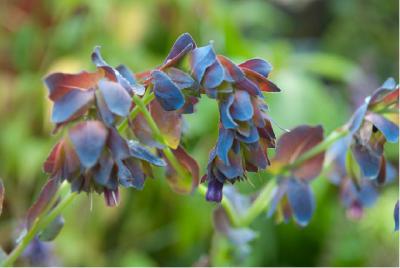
{"x": 327, "y": 56}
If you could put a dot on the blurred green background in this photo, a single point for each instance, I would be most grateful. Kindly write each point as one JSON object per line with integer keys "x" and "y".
{"x": 327, "y": 56}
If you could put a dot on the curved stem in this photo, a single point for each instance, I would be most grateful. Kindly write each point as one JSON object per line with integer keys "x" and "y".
{"x": 40, "y": 223}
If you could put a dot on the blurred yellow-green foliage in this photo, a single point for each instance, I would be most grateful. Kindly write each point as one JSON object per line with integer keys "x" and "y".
{"x": 327, "y": 56}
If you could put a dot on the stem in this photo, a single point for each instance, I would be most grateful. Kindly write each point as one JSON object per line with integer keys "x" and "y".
{"x": 40, "y": 223}
{"x": 159, "y": 137}
{"x": 259, "y": 204}
{"x": 147, "y": 98}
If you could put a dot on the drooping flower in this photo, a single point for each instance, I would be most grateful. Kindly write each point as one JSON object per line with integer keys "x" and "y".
{"x": 293, "y": 195}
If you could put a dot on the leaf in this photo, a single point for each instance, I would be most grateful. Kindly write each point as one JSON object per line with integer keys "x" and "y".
{"x": 169, "y": 123}
{"x": 116, "y": 97}
{"x": 388, "y": 129}
{"x": 140, "y": 152}
{"x": 201, "y": 59}
{"x": 181, "y": 47}
{"x": 46, "y": 195}
{"x": 259, "y": 66}
{"x": 88, "y": 139}
{"x": 60, "y": 84}
{"x": 2, "y": 194}
{"x": 52, "y": 230}
{"x": 301, "y": 201}
{"x": 242, "y": 108}
{"x": 72, "y": 105}
{"x": 52, "y": 162}
{"x": 166, "y": 92}
{"x": 295, "y": 143}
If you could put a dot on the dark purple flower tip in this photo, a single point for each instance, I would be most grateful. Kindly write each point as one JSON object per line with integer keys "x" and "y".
{"x": 396, "y": 216}
{"x": 214, "y": 191}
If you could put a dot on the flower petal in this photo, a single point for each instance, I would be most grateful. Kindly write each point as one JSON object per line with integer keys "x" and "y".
{"x": 224, "y": 144}
{"x": 201, "y": 59}
{"x": 71, "y": 105}
{"x": 116, "y": 97}
{"x": 224, "y": 110}
{"x": 181, "y": 47}
{"x": 260, "y": 66}
{"x": 88, "y": 139}
{"x": 388, "y": 128}
{"x": 214, "y": 75}
{"x": 301, "y": 200}
{"x": 140, "y": 152}
{"x": 242, "y": 108}
{"x": 167, "y": 92}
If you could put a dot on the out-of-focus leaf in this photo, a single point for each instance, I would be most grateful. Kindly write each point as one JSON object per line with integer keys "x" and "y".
{"x": 260, "y": 66}
{"x": 3, "y": 255}
{"x": 72, "y": 105}
{"x": 2, "y": 194}
{"x": 201, "y": 59}
{"x": 143, "y": 132}
{"x": 301, "y": 200}
{"x": 46, "y": 195}
{"x": 295, "y": 143}
{"x": 52, "y": 230}
{"x": 242, "y": 108}
{"x": 169, "y": 123}
{"x": 138, "y": 151}
{"x": 389, "y": 129}
{"x": 60, "y": 84}
{"x": 88, "y": 139}
{"x": 166, "y": 92}
{"x": 116, "y": 97}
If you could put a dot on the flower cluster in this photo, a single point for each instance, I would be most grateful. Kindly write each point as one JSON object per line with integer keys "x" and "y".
{"x": 358, "y": 163}
{"x": 94, "y": 156}
{"x": 245, "y": 130}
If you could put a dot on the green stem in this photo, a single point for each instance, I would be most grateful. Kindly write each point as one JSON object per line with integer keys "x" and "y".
{"x": 159, "y": 137}
{"x": 40, "y": 223}
{"x": 260, "y": 204}
{"x": 147, "y": 98}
